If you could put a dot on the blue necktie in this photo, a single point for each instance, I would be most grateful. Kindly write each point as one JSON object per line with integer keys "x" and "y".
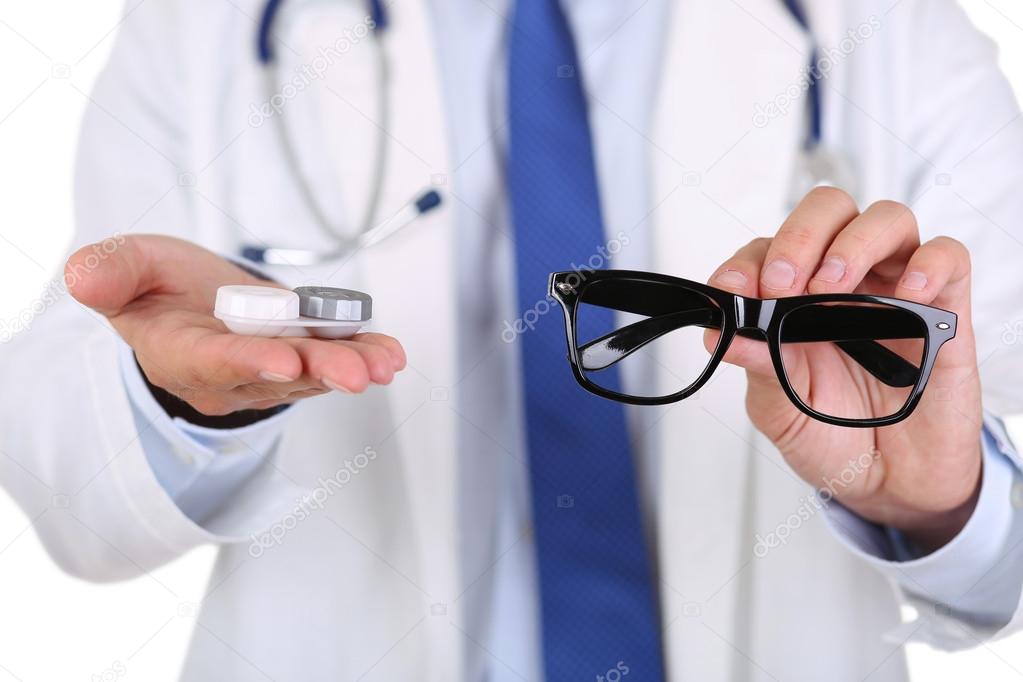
{"x": 597, "y": 596}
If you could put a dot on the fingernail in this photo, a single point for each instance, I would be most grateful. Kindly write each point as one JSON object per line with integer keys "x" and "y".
{"x": 831, "y": 270}
{"x": 915, "y": 281}
{"x": 273, "y": 376}
{"x": 334, "y": 387}
{"x": 732, "y": 279}
{"x": 779, "y": 274}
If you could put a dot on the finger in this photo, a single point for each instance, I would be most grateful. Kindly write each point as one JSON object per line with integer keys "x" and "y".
{"x": 751, "y": 354}
{"x": 290, "y": 399}
{"x": 938, "y": 273}
{"x": 307, "y": 393}
{"x": 107, "y": 276}
{"x": 389, "y": 343}
{"x": 263, "y": 396}
{"x": 203, "y": 358}
{"x": 803, "y": 238}
{"x": 107, "y": 281}
{"x": 255, "y": 396}
{"x": 286, "y": 374}
{"x": 739, "y": 275}
{"x": 879, "y": 241}
{"x": 336, "y": 365}
{"x": 379, "y": 361}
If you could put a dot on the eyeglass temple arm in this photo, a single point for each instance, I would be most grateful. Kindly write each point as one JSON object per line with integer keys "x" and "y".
{"x": 856, "y": 330}
{"x": 842, "y": 325}
{"x": 607, "y": 350}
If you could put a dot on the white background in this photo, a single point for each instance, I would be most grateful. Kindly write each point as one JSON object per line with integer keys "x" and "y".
{"x": 53, "y": 627}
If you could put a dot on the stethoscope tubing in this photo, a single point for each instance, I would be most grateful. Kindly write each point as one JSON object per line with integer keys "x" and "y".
{"x": 368, "y": 233}
{"x": 813, "y": 93}
{"x": 378, "y": 170}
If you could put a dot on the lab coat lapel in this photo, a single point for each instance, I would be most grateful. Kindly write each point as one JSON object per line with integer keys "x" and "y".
{"x": 721, "y": 173}
{"x": 411, "y": 277}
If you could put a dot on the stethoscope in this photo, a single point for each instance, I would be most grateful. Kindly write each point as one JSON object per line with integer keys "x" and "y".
{"x": 369, "y": 230}
{"x": 815, "y": 166}
{"x": 818, "y": 164}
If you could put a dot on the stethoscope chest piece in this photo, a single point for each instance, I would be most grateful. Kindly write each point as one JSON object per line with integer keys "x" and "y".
{"x": 324, "y": 312}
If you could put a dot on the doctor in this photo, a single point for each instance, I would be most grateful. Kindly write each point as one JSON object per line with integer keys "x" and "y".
{"x": 426, "y": 530}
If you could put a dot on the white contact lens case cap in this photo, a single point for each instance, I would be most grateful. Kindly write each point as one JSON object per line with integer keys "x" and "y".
{"x": 272, "y": 311}
{"x": 257, "y": 303}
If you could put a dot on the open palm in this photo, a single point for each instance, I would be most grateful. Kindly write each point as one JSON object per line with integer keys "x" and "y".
{"x": 158, "y": 294}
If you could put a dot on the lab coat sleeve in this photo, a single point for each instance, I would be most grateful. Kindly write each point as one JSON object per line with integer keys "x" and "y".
{"x": 964, "y": 135}
{"x": 199, "y": 467}
{"x": 73, "y": 451}
{"x": 955, "y": 121}
{"x": 967, "y": 590}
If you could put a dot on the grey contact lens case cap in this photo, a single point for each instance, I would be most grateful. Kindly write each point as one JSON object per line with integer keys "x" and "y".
{"x": 328, "y": 303}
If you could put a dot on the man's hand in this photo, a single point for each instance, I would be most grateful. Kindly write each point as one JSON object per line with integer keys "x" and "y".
{"x": 924, "y": 473}
{"x": 158, "y": 293}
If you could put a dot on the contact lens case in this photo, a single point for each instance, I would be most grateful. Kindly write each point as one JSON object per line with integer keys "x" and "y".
{"x": 324, "y": 312}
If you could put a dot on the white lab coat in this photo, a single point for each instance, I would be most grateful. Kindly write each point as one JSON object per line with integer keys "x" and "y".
{"x": 168, "y": 148}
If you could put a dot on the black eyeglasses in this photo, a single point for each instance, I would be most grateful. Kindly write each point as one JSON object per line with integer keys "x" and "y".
{"x": 872, "y": 354}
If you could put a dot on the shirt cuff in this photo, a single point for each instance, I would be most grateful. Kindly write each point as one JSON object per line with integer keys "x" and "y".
{"x": 199, "y": 467}
{"x": 968, "y": 579}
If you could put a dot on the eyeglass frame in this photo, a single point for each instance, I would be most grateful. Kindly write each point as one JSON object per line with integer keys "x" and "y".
{"x": 767, "y": 315}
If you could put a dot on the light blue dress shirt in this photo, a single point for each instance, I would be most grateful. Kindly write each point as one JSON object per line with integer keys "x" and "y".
{"x": 200, "y": 468}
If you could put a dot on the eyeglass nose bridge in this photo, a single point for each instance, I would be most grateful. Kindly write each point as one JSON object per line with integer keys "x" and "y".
{"x": 753, "y": 313}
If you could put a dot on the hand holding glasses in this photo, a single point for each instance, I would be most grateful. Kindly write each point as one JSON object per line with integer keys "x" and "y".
{"x": 857, "y": 352}
{"x": 885, "y": 347}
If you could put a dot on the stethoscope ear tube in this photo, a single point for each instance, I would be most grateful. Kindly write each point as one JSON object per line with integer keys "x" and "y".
{"x": 264, "y": 34}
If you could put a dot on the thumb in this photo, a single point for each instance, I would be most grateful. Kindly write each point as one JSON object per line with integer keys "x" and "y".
{"x": 739, "y": 275}
{"x": 108, "y": 275}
